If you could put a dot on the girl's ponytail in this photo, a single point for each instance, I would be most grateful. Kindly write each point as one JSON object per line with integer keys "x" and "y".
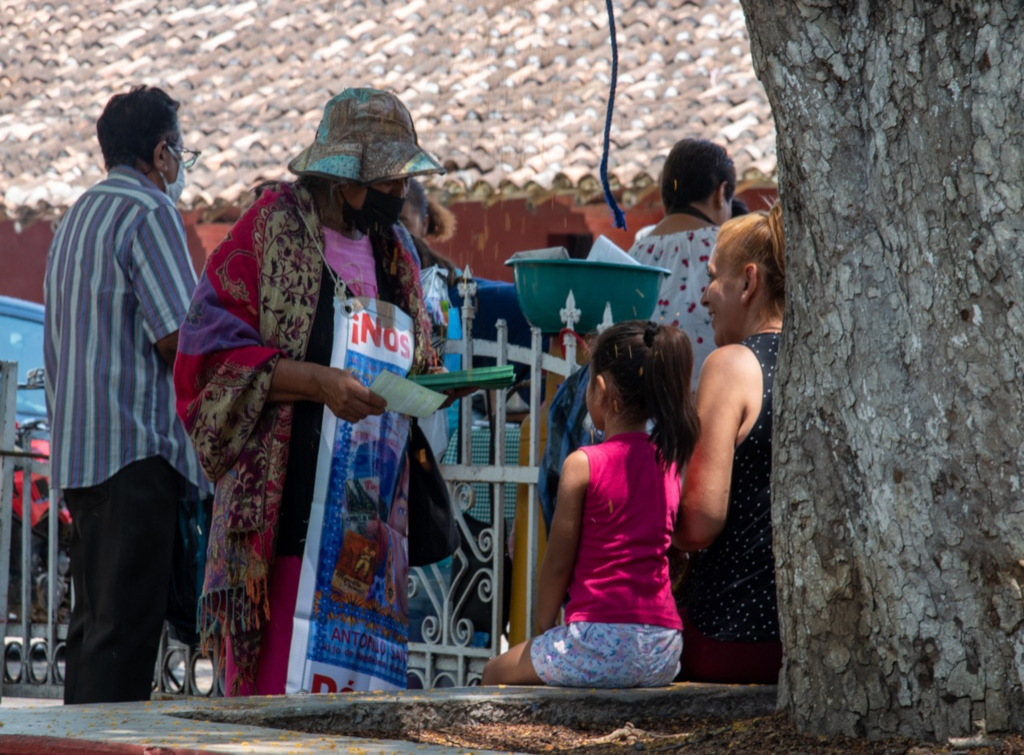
{"x": 650, "y": 367}
{"x": 667, "y": 372}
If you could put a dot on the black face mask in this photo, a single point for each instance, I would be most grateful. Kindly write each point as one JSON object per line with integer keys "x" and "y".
{"x": 378, "y": 215}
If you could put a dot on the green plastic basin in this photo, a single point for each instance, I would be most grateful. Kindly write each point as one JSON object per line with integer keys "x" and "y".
{"x": 542, "y": 287}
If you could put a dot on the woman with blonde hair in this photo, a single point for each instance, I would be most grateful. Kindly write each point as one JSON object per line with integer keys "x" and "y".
{"x": 730, "y": 625}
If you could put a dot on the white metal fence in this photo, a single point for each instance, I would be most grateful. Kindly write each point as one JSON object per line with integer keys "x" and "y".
{"x": 450, "y": 653}
{"x": 33, "y": 649}
{"x": 453, "y": 649}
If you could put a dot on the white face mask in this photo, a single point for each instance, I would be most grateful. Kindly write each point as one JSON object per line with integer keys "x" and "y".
{"x": 174, "y": 189}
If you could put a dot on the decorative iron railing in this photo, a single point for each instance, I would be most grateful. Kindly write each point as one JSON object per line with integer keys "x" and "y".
{"x": 34, "y": 630}
{"x": 461, "y": 623}
{"x": 454, "y": 648}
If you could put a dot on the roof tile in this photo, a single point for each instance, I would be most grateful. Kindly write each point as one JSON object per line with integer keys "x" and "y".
{"x": 511, "y": 96}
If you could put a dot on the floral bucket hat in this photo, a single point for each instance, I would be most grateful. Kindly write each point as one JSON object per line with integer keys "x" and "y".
{"x": 365, "y": 136}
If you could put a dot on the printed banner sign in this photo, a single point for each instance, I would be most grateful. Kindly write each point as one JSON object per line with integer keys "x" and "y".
{"x": 350, "y": 630}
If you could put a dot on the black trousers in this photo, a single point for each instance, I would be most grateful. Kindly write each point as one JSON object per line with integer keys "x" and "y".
{"x": 121, "y": 552}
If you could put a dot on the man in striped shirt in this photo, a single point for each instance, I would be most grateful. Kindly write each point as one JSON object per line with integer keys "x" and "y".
{"x": 118, "y": 283}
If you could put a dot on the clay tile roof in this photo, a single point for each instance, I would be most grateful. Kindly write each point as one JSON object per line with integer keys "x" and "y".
{"x": 509, "y": 94}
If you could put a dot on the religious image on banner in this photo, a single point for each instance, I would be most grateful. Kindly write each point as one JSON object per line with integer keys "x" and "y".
{"x": 351, "y": 617}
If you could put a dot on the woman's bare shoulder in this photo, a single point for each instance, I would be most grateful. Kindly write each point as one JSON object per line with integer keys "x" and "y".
{"x": 730, "y": 358}
{"x": 729, "y": 370}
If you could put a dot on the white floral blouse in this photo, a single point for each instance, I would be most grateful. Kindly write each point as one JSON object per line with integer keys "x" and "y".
{"x": 686, "y": 255}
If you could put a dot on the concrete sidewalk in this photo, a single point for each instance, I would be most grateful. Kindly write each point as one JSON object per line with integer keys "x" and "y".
{"x": 322, "y": 723}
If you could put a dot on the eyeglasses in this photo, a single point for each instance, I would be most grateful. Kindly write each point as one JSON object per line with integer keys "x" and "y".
{"x": 187, "y": 157}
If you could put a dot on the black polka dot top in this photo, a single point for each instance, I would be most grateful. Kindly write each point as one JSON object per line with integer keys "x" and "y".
{"x": 733, "y": 591}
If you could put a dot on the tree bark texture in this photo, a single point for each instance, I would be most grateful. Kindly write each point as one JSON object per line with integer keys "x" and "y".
{"x": 899, "y": 430}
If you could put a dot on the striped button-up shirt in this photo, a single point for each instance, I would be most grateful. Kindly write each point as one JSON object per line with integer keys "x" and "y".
{"x": 118, "y": 279}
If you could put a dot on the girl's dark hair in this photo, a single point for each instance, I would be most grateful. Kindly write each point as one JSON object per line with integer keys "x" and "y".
{"x": 438, "y": 221}
{"x": 649, "y": 368}
{"x": 417, "y": 199}
{"x": 132, "y": 124}
{"x": 693, "y": 170}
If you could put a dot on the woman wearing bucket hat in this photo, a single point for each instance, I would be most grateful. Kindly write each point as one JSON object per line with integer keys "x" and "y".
{"x": 314, "y": 292}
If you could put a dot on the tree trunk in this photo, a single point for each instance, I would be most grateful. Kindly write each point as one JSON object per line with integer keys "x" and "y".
{"x": 898, "y": 508}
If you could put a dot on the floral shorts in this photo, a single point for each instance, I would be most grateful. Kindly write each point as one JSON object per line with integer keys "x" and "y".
{"x": 586, "y": 654}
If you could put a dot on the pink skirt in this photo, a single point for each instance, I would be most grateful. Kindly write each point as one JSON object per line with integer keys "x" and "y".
{"x": 272, "y": 666}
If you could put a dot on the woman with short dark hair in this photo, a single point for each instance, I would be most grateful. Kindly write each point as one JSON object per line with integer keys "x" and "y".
{"x": 697, "y": 186}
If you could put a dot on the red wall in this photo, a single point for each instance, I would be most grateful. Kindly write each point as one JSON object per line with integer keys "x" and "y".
{"x": 485, "y": 237}
{"x": 759, "y": 197}
{"x": 23, "y": 259}
{"x": 23, "y": 255}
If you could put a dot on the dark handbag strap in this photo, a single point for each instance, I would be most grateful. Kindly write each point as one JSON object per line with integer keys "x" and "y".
{"x": 433, "y": 530}
{"x": 420, "y": 446}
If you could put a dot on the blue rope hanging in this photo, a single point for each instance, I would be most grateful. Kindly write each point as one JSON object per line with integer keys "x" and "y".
{"x": 620, "y": 216}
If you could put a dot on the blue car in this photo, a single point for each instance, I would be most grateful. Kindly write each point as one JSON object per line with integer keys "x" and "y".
{"x": 21, "y": 341}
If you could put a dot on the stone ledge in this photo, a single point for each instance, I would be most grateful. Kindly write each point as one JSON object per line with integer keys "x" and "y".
{"x": 319, "y": 723}
{"x": 439, "y": 708}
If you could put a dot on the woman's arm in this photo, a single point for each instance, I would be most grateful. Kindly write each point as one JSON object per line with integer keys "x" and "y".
{"x": 349, "y": 399}
{"x": 729, "y": 380}
{"x": 564, "y": 540}
{"x": 343, "y": 394}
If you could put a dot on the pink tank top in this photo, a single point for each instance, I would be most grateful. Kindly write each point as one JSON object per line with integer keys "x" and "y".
{"x": 353, "y": 262}
{"x": 621, "y": 572}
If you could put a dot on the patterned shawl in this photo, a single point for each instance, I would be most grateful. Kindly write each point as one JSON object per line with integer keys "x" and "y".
{"x": 254, "y": 304}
